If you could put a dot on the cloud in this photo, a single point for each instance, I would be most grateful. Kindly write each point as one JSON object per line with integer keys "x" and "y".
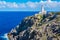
{"x": 30, "y": 5}
{"x": 22, "y": 5}
{"x": 2, "y": 2}
{"x": 12, "y": 5}
{"x": 2, "y": 6}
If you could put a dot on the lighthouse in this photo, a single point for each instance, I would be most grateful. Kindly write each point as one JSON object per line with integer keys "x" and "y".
{"x": 43, "y": 11}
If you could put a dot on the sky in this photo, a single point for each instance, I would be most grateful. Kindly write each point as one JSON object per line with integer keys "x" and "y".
{"x": 29, "y": 5}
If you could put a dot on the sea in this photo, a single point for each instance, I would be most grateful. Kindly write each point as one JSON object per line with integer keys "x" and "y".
{"x": 10, "y": 19}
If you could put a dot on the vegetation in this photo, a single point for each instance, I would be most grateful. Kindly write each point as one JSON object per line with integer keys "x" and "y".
{"x": 38, "y": 27}
{"x": 58, "y": 13}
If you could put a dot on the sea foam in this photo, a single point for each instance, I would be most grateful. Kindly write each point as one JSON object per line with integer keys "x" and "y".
{"x": 5, "y": 37}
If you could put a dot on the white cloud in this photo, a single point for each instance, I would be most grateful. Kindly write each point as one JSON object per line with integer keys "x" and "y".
{"x": 30, "y": 5}
{"x": 2, "y": 6}
{"x": 22, "y": 5}
{"x": 12, "y": 5}
{"x": 2, "y": 2}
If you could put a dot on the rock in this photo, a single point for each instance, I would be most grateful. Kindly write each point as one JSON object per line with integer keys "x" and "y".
{"x": 37, "y": 27}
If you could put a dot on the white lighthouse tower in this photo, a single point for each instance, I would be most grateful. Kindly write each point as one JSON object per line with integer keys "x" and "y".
{"x": 43, "y": 11}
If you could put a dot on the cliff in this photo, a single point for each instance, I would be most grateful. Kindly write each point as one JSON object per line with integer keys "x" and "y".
{"x": 37, "y": 27}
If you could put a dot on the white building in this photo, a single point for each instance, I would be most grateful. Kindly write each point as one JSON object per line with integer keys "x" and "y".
{"x": 42, "y": 10}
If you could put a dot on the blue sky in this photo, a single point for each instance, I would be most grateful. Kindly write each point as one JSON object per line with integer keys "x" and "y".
{"x": 25, "y": 0}
{"x": 29, "y": 5}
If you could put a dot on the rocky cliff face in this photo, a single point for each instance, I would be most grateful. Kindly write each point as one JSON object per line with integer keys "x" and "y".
{"x": 37, "y": 27}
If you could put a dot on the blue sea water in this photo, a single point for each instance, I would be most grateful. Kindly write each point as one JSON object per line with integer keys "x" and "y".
{"x": 9, "y": 20}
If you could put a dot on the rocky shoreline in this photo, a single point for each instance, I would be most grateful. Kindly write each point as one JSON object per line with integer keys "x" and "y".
{"x": 37, "y": 27}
